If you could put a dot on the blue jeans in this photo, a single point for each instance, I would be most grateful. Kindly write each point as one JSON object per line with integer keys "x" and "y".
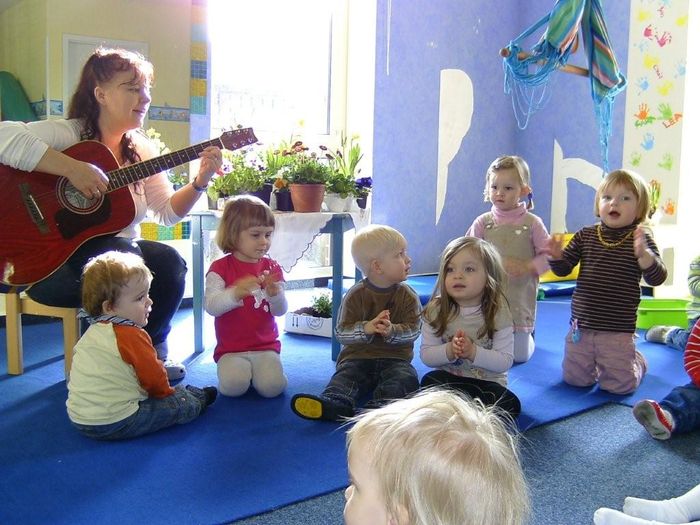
{"x": 153, "y": 414}
{"x": 62, "y": 288}
{"x": 683, "y": 402}
{"x": 387, "y": 379}
{"x": 678, "y": 337}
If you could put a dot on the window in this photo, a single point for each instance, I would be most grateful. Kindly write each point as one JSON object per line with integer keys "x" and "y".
{"x": 279, "y": 67}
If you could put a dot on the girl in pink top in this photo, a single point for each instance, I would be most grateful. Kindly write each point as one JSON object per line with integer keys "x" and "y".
{"x": 244, "y": 292}
{"x": 521, "y": 239}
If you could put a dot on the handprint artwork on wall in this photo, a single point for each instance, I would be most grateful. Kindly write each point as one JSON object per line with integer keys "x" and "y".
{"x": 666, "y": 162}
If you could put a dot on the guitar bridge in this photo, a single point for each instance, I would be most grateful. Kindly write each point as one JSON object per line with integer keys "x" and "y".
{"x": 33, "y": 208}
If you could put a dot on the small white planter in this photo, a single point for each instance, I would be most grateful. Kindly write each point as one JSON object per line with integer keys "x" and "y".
{"x": 337, "y": 204}
{"x": 308, "y": 324}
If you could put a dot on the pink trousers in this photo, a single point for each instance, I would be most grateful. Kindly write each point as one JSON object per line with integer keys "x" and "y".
{"x": 608, "y": 358}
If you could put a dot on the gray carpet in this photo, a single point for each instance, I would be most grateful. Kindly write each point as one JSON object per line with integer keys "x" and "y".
{"x": 573, "y": 467}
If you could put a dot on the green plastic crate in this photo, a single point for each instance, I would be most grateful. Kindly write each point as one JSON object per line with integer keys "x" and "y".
{"x": 662, "y": 311}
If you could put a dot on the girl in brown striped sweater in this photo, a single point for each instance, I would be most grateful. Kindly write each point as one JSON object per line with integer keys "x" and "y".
{"x": 614, "y": 255}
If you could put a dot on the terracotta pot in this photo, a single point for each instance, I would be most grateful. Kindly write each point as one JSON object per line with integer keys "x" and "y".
{"x": 307, "y": 197}
{"x": 284, "y": 201}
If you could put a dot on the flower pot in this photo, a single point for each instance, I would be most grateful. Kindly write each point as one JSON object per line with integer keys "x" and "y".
{"x": 264, "y": 193}
{"x": 213, "y": 204}
{"x": 361, "y": 202}
{"x": 307, "y": 197}
{"x": 336, "y": 203}
{"x": 284, "y": 201}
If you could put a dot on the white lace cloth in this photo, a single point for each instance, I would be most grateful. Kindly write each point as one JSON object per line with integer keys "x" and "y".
{"x": 294, "y": 233}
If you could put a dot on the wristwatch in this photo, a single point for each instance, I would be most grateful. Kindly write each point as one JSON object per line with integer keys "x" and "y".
{"x": 199, "y": 189}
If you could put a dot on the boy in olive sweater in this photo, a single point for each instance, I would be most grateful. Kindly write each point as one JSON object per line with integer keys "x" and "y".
{"x": 378, "y": 322}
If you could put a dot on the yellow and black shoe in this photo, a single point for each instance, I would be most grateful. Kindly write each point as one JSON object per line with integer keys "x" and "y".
{"x": 320, "y": 408}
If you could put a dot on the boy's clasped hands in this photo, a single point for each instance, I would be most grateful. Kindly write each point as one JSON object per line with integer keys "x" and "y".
{"x": 379, "y": 325}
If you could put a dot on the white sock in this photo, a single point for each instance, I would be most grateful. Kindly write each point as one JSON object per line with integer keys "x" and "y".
{"x": 682, "y": 509}
{"x": 604, "y": 516}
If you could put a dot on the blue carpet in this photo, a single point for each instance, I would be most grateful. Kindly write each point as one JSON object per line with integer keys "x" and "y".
{"x": 545, "y": 397}
{"x": 244, "y": 456}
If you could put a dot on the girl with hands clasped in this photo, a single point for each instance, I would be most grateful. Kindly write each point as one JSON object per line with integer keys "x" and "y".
{"x": 244, "y": 292}
{"x": 614, "y": 255}
{"x": 468, "y": 329}
{"x": 521, "y": 239}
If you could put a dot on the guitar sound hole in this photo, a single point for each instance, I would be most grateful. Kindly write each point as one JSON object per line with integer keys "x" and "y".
{"x": 71, "y": 199}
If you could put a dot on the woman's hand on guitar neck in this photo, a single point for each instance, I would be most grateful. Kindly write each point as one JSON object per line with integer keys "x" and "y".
{"x": 210, "y": 162}
{"x": 87, "y": 178}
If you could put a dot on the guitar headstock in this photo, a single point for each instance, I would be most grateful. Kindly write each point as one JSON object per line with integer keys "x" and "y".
{"x": 237, "y": 138}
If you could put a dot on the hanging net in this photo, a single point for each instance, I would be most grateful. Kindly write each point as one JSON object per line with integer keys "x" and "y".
{"x": 527, "y": 72}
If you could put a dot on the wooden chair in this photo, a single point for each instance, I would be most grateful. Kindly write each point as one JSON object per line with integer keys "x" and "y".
{"x": 16, "y": 305}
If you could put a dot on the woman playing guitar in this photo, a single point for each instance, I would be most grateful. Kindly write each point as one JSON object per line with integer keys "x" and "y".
{"x": 108, "y": 106}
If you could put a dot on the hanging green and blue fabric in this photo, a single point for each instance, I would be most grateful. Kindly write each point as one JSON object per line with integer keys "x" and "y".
{"x": 527, "y": 73}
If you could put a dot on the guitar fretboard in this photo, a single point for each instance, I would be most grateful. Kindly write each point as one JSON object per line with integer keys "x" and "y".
{"x": 135, "y": 172}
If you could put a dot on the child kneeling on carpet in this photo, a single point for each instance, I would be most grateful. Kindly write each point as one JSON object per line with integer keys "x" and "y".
{"x": 118, "y": 388}
{"x": 679, "y": 411}
{"x": 614, "y": 255}
{"x": 434, "y": 458}
{"x": 244, "y": 292}
{"x": 468, "y": 328}
{"x": 378, "y": 322}
{"x": 684, "y": 509}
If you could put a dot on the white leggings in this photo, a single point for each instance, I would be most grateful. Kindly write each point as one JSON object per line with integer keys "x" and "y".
{"x": 523, "y": 346}
{"x": 263, "y": 369}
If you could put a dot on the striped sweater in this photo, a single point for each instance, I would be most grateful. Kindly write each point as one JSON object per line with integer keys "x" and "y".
{"x": 607, "y": 289}
{"x": 691, "y": 358}
{"x": 364, "y": 302}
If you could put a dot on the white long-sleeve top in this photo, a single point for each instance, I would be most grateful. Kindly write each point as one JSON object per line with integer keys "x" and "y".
{"x": 494, "y": 357}
{"x": 22, "y": 145}
{"x": 218, "y": 299}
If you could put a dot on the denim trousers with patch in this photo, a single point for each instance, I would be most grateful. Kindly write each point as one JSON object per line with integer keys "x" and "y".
{"x": 153, "y": 414}
{"x": 386, "y": 379}
{"x": 683, "y": 402}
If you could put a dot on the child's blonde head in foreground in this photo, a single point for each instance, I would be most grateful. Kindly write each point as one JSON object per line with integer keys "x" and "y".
{"x": 240, "y": 213}
{"x": 441, "y": 458}
{"x": 372, "y": 243}
{"x": 510, "y": 162}
{"x": 104, "y": 277}
{"x": 633, "y": 182}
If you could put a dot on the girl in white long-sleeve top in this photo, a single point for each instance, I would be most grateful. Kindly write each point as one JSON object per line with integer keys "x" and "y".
{"x": 468, "y": 330}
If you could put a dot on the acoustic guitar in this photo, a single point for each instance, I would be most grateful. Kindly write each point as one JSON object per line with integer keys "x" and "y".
{"x": 44, "y": 218}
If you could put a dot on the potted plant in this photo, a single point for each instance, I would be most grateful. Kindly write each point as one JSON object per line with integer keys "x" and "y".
{"x": 276, "y": 160}
{"x": 340, "y": 190}
{"x": 307, "y": 176}
{"x": 343, "y": 163}
{"x": 240, "y": 175}
{"x": 312, "y": 320}
{"x": 363, "y": 187}
{"x": 283, "y": 197}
